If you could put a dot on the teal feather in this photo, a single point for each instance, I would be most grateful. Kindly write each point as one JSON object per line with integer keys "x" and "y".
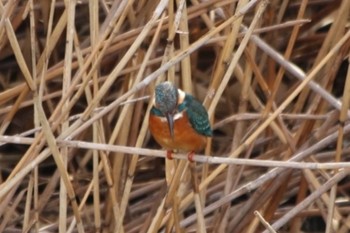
{"x": 197, "y": 115}
{"x": 155, "y": 111}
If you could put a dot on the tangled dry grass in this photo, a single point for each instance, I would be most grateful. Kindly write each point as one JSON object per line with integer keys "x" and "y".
{"x": 76, "y": 78}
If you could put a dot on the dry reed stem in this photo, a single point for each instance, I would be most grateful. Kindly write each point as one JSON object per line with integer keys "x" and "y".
{"x": 263, "y": 178}
{"x": 342, "y": 118}
{"x": 243, "y": 103}
{"x": 263, "y": 221}
{"x": 70, "y": 6}
{"x": 336, "y": 178}
{"x": 203, "y": 158}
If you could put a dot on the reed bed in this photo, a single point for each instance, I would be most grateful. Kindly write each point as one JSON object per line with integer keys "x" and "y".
{"x": 77, "y": 79}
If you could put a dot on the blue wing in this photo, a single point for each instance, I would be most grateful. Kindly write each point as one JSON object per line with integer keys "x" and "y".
{"x": 197, "y": 115}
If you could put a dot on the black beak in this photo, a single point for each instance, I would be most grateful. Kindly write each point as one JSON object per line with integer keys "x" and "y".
{"x": 170, "y": 120}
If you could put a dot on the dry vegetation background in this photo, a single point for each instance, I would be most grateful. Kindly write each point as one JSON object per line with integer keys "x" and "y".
{"x": 75, "y": 81}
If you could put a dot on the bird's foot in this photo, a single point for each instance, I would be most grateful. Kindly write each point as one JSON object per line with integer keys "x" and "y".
{"x": 190, "y": 156}
{"x": 169, "y": 154}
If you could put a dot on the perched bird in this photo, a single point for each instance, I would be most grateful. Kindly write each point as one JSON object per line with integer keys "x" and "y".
{"x": 178, "y": 121}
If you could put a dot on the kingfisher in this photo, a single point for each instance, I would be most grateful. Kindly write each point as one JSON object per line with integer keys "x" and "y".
{"x": 178, "y": 121}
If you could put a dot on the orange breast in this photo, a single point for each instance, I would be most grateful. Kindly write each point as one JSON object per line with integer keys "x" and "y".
{"x": 185, "y": 137}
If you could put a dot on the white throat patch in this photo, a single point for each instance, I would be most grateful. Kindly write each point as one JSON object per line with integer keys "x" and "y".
{"x": 181, "y": 96}
{"x": 175, "y": 117}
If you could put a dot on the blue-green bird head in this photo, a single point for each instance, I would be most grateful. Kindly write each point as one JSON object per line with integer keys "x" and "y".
{"x": 166, "y": 99}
